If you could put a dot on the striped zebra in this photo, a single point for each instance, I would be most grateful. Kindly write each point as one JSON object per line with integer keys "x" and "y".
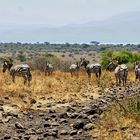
{"x": 91, "y": 68}
{"x": 22, "y": 70}
{"x": 137, "y": 70}
{"x": 121, "y": 72}
{"x": 112, "y": 65}
{"x": 74, "y": 68}
{"x": 48, "y": 69}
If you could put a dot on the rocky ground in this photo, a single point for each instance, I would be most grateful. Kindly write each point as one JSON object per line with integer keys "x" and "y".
{"x": 72, "y": 122}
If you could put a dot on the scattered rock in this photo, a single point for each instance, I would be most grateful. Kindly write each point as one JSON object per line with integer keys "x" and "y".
{"x": 47, "y": 125}
{"x": 63, "y": 132}
{"x": 51, "y": 111}
{"x": 73, "y": 132}
{"x": 63, "y": 115}
{"x": 7, "y": 119}
{"x": 78, "y": 125}
{"x": 74, "y": 115}
{"x": 52, "y": 132}
{"x": 32, "y": 101}
{"x": 7, "y": 137}
{"x": 89, "y": 126}
{"x": 63, "y": 121}
{"x": 18, "y": 125}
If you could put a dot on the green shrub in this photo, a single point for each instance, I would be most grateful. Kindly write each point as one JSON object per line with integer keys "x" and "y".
{"x": 121, "y": 56}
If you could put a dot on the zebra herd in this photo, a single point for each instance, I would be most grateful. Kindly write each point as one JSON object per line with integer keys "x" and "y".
{"x": 120, "y": 70}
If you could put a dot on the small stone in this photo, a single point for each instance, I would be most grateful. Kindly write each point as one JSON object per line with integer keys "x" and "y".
{"x": 74, "y": 115}
{"x": 78, "y": 125}
{"x": 7, "y": 119}
{"x": 55, "y": 124}
{"x": 63, "y": 115}
{"x": 26, "y": 137}
{"x": 32, "y": 101}
{"x": 1, "y": 108}
{"x": 63, "y": 132}
{"x": 31, "y": 116}
{"x": 89, "y": 126}
{"x": 47, "y": 125}
{"x": 7, "y": 137}
{"x": 63, "y": 121}
{"x": 18, "y": 125}
{"x": 73, "y": 132}
{"x": 41, "y": 114}
{"x": 51, "y": 111}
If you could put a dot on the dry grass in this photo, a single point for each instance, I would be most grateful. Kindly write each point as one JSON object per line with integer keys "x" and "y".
{"x": 115, "y": 126}
{"x": 61, "y": 86}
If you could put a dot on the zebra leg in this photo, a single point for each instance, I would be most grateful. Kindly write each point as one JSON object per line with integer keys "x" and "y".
{"x": 100, "y": 72}
{"x": 116, "y": 76}
{"x": 120, "y": 81}
{"x": 126, "y": 78}
{"x": 97, "y": 76}
{"x": 45, "y": 73}
{"x": 71, "y": 74}
{"x": 13, "y": 78}
{"x": 89, "y": 74}
{"x": 123, "y": 81}
{"x": 136, "y": 75}
{"x": 29, "y": 79}
{"x": 51, "y": 73}
{"x": 25, "y": 80}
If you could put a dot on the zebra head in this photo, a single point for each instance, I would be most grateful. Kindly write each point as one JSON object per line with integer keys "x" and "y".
{"x": 47, "y": 64}
{"x": 7, "y": 65}
{"x": 112, "y": 65}
{"x": 84, "y": 62}
{"x": 136, "y": 65}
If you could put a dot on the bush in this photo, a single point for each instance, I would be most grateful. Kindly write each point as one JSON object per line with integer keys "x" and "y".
{"x": 39, "y": 62}
{"x": 121, "y": 56}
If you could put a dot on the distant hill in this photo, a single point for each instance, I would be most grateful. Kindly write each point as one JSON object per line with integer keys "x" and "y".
{"x": 123, "y": 28}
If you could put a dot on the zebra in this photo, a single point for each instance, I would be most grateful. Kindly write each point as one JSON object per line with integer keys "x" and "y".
{"x": 48, "y": 69}
{"x": 91, "y": 68}
{"x": 121, "y": 72}
{"x": 74, "y": 68}
{"x": 112, "y": 65}
{"x": 137, "y": 70}
{"x": 22, "y": 70}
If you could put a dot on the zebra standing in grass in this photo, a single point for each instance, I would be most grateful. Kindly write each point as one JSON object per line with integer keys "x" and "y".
{"x": 48, "y": 69}
{"x": 121, "y": 72}
{"x": 137, "y": 70}
{"x": 74, "y": 68}
{"x": 22, "y": 70}
{"x": 91, "y": 68}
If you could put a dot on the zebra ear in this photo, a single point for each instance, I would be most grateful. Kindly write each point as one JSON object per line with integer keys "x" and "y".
{"x": 5, "y": 62}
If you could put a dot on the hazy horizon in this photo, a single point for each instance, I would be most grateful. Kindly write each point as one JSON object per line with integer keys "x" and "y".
{"x": 60, "y": 20}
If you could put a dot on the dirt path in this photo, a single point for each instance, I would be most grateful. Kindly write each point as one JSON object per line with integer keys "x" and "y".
{"x": 69, "y": 122}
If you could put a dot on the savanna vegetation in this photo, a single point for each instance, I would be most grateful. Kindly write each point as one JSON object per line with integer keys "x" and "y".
{"x": 61, "y": 90}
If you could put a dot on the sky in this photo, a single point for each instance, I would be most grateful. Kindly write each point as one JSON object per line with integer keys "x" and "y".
{"x": 22, "y": 20}
{"x": 62, "y": 12}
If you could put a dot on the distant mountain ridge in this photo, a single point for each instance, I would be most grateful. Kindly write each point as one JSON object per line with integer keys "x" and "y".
{"x": 123, "y": 28}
